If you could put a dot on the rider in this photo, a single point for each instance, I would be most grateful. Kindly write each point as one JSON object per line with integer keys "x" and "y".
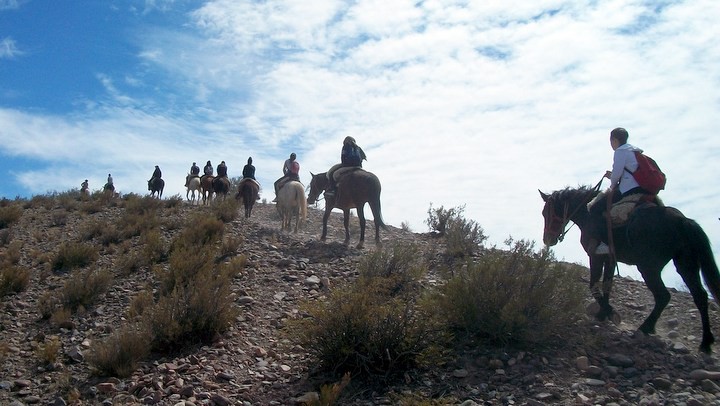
{"x": 109, "y": 184}
{"x": 84, "y": 186}
{"x": 194, "y": 172}
{"x": 350, "y": 156}
{"x": 207, "y": 171}
{"x": 222, "y": 170}
{"x": 157, "y": 174}
{"x": 249, "y": 170}
{"x": 620, "y": 179}
{"x": 291, "y": 171}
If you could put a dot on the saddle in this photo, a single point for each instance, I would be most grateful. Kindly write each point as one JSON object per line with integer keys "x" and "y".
{"x": 341, "y": 173}
{"x": 623, "y": 209}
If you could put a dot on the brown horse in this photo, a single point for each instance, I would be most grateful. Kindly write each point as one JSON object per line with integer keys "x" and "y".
{"x": 354, "y": 189}
{"x": 248, "y": 191}
{"x": 221, "y": 187}
{"x": 649, "y": 240}
{"x": 206, "y": 183}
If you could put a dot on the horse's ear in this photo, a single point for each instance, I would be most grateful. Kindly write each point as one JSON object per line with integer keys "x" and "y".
{"x": 312, "y": 174}
{"x": 544, "y": 196}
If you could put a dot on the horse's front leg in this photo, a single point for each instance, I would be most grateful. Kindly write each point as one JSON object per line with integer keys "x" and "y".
{"x": 326, "y": 216}
{"x": 346, "y": 223}
{"x": 361, "y": 217}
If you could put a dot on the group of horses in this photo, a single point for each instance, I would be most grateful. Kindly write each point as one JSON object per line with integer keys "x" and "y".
{"x": 356, "y": 188}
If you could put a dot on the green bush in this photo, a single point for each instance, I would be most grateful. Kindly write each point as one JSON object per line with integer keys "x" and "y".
{"x": 9, "y": 215}
{"x": 512, "y": 297}
{"x": 462, "y": 237}
{"x": 374, "y": 326}
{"x": 73, "y": 255}
{"x": 118, "y": 355}
{"x": 400, "y": 266}
{"x": 13, "y": 279}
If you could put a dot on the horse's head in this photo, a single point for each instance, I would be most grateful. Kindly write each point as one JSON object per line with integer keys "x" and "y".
{"x": 556, "y": 218}
{"x": 317, "y": 186}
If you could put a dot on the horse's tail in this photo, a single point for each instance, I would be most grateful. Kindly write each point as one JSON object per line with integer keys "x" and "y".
{"x": 302, "y": 202}
{"x": 703, "y": 252}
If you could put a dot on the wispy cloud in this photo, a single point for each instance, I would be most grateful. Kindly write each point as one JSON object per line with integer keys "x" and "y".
{"x": 11, "y": 4}
{"x": 9, "y": 49}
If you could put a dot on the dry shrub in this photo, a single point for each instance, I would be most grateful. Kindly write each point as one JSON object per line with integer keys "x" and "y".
{"x": 235, "y": 266}
{"x": 184, "y": 267}
{"x": 84, "y": 289}
{"x": 110, "y": 235}
{"x": 230, "y": 246}
{"x": 140, "y": 303}
{"x": 62, "y": 318}
{"x": 13, "y": 279}
{"x": 73, "y": 255}
{"x": 373, "y": 326}
{"x": 134, "y": 224}
{"x": 193, "y": 312}
{"x": 48, "y": 303}
{"x": 119, "y": 354}
{"x": 517, "y": 297}
{"x": 154, "y": 250}
{"x": 91, "y": 229}
{"x": 48, "y": 351}
{"x": 173, "y": 202}
{"x": 5, "y": 237}
{"x": 200, "y": 231}
{"x": 226, "y": 210}
{"x": 129, "y": 263}
{"x": 12, "y": 254}
{"x": 58, "y": 218}
{"x": 10, "y": 215}
{"x": 135, "y": 204}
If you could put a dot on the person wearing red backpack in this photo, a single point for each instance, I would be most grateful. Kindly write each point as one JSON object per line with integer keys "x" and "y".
{"x": 624, "y": 189}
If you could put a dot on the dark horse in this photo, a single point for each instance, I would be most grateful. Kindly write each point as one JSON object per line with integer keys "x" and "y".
{"x": 650, "y": 239}
{"x": 221, "y": 186}
{"x": 156, "y": 185}
{"x": 248, "y": 192}
{"x": 355, "y": 189}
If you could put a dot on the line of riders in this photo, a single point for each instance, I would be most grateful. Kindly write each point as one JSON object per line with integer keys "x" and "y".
{"x": 351, "y": 156}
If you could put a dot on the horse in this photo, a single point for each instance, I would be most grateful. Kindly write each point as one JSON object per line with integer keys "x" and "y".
{"x": 248, "y": 192}
{"x": 156, "y": 185}
{"x": 221, "y": 186}
{"x": 193, "y": 184}
{"x": 354, "y": 189}
{"x": 291, "y": 202}
{"x": 206, "y": 184}
{"x": 109, "y": 190}
{"x": 651, "y": 237}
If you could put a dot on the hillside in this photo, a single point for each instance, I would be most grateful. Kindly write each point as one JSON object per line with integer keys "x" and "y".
{"x": 255, "y": 364}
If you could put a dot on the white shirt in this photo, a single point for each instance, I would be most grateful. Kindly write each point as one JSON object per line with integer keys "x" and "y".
{"x": 624, "y": 157}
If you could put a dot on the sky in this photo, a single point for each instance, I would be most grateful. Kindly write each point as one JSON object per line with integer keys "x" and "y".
{"x": 474, "y": 104}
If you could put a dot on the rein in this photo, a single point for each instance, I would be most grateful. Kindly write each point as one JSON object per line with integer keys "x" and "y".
{"x": 565, "y": 218}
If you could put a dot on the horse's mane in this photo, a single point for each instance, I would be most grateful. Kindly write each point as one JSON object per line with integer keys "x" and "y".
{"x": 580, "y": 195}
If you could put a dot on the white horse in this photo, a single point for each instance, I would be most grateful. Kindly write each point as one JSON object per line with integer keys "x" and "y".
{"x": 291, "y": 202}
{"x": 193, "y": 185}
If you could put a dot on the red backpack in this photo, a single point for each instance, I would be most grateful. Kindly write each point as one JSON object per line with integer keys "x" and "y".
{"x": 648, "y": 174}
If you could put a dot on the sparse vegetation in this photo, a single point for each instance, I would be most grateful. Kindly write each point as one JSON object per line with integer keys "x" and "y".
{"x": 119, "y": 354}
{"x": 73, "y": 255}
{"x": 9, "y": 215}
{"x": 13, "y": 279}
{"x": 517, "y": 297}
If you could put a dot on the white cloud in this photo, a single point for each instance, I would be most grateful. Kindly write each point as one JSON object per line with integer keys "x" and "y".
{"x": 9, "y": 49}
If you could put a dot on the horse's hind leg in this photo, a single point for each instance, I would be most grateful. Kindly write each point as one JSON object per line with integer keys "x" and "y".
{"x": 690, "y": 273}
{"x": 346, "y": 223}
{"x": 361, "y": 217}
{"x": 601, "y": 266}
{"x": 654, "y": 282}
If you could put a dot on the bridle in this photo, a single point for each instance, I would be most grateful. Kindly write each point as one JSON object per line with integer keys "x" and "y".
{"x": 557, "y": 223}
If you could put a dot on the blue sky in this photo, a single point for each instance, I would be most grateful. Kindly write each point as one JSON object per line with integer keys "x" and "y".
{"x": 455, "y": 103}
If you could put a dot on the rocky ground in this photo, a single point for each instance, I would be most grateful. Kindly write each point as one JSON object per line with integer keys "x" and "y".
{"x": 255, "y": 364}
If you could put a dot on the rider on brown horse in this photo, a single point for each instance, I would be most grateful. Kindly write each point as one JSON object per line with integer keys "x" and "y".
{"x": 350, "y": 156}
